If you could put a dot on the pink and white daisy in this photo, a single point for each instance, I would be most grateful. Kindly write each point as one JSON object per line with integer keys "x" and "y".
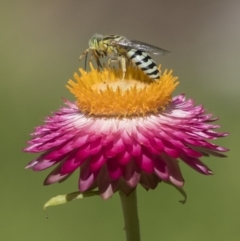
{"x": 121, "y": 133}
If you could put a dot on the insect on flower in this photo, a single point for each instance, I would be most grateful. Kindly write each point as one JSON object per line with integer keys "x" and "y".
{"x": 122, "y": 50}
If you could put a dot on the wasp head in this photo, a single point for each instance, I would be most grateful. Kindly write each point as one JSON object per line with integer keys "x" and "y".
{"x": 94, "y": 40}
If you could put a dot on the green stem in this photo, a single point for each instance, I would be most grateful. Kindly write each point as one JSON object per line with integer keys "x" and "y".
{"x": 130, "y": 213}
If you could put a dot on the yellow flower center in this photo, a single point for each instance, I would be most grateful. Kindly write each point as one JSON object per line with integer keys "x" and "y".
{"x": 104, "y": 93}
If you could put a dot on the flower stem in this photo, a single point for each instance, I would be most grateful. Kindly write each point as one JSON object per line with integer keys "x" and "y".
{"x": 130, "y": 213}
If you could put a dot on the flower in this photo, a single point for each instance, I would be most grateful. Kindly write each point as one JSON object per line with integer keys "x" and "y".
{"x": 121, "y": 133}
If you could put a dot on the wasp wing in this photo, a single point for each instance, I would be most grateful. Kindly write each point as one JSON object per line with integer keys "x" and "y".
{"x": 135, "y": 44}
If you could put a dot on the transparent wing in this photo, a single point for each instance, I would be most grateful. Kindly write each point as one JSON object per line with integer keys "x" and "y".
{"x": 135, "y": 44}
{"x": 149, "y": 48}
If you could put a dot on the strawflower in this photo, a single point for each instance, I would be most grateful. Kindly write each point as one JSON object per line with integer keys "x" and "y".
{"x": 121, "y": 133}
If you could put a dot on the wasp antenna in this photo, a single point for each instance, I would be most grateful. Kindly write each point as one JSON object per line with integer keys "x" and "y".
{"x": 85, "y": 65}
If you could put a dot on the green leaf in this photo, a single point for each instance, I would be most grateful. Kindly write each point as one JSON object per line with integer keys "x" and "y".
{"x": 62, "y": 199}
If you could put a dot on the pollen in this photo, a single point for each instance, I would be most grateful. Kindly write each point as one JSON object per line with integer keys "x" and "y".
{"x": 104, "y": 93}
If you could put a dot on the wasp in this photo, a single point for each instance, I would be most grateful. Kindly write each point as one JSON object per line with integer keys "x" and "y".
{"x": 120, "y": 49}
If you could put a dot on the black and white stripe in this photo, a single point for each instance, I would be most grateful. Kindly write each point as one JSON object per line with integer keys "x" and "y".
{"x": 144, "y": 62}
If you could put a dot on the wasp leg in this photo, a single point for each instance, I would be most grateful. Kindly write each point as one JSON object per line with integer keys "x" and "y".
{"x": 112, "y": 60}
{"x": 123, "y": 65}
{"x": 98, "y": 62}
{"x": 122, "y": 61}
{"x": 84, "y": 53}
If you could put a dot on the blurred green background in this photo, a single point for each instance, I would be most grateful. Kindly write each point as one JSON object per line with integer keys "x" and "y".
{"x": 40, "y": 45}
